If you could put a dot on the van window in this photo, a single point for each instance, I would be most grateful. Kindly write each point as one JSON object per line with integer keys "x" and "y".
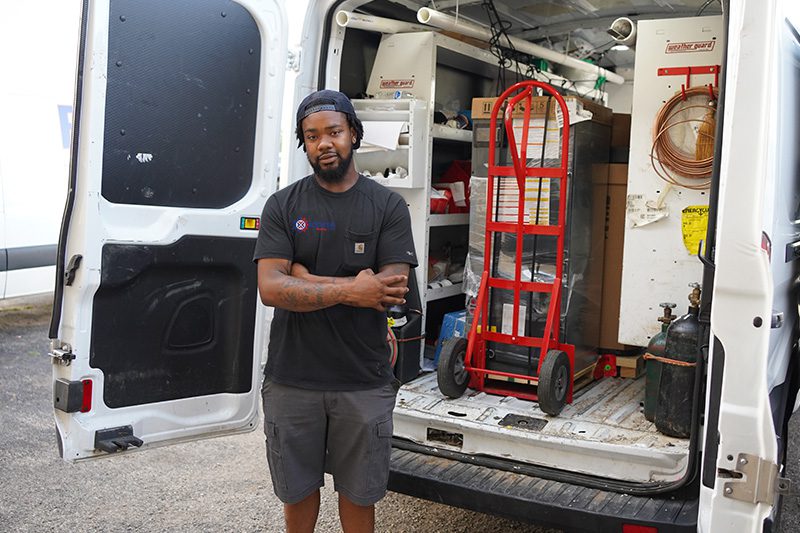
{"x": 172, "y": 92}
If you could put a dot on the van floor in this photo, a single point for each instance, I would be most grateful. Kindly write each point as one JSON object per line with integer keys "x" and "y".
{"x": 602, "y": 433}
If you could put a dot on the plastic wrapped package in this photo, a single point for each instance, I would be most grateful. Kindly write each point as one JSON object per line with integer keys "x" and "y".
{"x": 583, "y": 247}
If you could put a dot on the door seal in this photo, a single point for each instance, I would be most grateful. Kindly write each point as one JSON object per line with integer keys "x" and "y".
{"x": 756, "y": 480}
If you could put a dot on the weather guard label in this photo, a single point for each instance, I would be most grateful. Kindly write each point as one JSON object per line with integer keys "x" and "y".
{"x": 397, "y": 84}
{"x": 695, "y": 46}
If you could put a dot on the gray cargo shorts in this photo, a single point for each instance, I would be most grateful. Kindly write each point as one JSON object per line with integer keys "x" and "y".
{"x": 345, "y": 433}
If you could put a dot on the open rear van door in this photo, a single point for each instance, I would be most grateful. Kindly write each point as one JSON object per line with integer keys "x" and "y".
{"x": 754, "y": 317}
{"x": 175, "y": 150}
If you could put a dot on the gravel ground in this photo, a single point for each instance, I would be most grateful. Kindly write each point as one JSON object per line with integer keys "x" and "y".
{"x": 215, "y": 485}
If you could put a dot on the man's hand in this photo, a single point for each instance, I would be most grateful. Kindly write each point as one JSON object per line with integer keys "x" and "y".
{"x": 377, "y": 292}
{"x": 299, "y": 271}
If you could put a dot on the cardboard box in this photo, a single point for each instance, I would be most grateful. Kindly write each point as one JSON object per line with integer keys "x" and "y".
{"x": 620, "y": 138}
{"x": 630, "y": 366}
{"x": 481, "y": 134}
{"x": 482, "y": 108}
{"x": 620, "y": 130}
{"x": 612, "y": 258}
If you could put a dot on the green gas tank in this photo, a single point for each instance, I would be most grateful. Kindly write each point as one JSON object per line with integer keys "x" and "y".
{"x": 673, "y": 414}
{"x": 655, "y": 348}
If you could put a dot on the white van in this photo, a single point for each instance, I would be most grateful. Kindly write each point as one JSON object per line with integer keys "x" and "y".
{"x": 157, "y": 330}
{"x": 36, "y": 109}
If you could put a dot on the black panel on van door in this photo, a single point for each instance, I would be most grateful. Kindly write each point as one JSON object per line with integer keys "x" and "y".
{"x": 174, "y": 321}
{"x": 181, "y": 103}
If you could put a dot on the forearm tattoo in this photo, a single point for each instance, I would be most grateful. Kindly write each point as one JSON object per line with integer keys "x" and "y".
{"x": 298, "y": 295}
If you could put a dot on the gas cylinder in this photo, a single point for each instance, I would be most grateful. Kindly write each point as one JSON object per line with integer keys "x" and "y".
{"x": 673, "y": 414}
{"x": 652, "y": 366}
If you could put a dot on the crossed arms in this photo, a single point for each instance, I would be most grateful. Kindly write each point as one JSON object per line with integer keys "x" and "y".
{"x": 290, "y": 286}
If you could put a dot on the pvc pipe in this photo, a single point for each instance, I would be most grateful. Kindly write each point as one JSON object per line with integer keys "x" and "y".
{"x": 348, "y": 19}
{"x": 447, "y": 22}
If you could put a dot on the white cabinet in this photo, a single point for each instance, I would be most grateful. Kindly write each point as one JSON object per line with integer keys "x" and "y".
{"x": 409, "y": 120}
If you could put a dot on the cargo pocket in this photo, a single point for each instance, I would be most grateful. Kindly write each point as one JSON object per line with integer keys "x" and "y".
{"x": 380, "y": 451}
{"x": 360, "y": 250}
{"x": 274, "y": 458}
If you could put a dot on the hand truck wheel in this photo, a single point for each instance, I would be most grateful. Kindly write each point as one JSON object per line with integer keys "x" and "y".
{"x": 451, "y": 374}
{"x": 554, "y": 379}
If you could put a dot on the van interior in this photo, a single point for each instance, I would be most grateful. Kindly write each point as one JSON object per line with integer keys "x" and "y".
{"x": 418, "y": 73}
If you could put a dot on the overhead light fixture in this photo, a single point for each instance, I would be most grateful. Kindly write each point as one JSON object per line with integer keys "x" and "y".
{"x": 620, "y": 47}
{"x": 623, "y": 31}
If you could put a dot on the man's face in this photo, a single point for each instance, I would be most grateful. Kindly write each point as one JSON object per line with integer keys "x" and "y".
{"x": 328, "y": 140}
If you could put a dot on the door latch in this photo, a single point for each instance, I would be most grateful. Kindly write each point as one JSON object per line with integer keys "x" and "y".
{"x": 72, "y": 268}
{"x": 61, "y": 353}
{"x": 113, "y": 440}
{"x": 293, "y": 60}
{"x": 757, "y": 481}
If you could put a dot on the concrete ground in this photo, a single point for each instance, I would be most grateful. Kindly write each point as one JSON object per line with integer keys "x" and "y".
{"x": 214, "y": 485}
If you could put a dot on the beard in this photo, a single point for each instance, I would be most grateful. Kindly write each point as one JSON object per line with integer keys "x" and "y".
{"x": 335, "y": 174}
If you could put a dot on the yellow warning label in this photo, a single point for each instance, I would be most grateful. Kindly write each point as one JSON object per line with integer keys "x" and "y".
{"x": 694, "y": 221}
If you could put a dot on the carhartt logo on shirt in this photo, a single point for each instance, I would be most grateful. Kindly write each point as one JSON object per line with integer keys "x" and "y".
{"x": 359, "y": 248}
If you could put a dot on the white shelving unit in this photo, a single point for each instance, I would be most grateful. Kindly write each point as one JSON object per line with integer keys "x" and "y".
{"x": 455, "y": 219}
{"x": 412, "y": 118}
{"x": 417, "y": 132}
{"x": 443, "y": 292}
{"x": 413, "y": 61}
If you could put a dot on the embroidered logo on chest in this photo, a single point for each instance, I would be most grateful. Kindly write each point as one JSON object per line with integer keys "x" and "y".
{"x": 358, "y": 248}
{"x": 303, "y": 224}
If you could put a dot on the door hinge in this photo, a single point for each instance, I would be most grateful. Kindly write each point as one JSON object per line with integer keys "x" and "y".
{"x": 757, "y": 481}
{"x": 61, "y": 353}
{"x": 293, "y": 61}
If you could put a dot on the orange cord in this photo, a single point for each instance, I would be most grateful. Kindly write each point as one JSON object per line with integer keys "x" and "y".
{"x": 670, "y": 162}
{"x": 667, "y": 360}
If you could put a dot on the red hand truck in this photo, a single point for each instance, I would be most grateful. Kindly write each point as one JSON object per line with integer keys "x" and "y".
{"x": 463, "y": 362}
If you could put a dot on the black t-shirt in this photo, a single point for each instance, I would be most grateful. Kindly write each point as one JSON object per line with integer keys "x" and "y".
{"x": 333, "y": 234}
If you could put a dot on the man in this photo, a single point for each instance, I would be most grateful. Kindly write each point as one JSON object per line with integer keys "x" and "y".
{"x": 333, "y": 252}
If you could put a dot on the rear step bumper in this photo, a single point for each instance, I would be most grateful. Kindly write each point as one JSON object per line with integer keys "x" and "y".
{"x": 532, "y": 499}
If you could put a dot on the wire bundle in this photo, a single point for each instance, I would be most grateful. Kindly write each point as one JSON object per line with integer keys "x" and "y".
{"x": 673, "y": 164}
{"x": 391, "y": 340}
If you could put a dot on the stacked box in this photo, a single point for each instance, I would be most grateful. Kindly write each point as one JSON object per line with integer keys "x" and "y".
{"x": 617, "y": 176}
{"x": 583, "y": 243}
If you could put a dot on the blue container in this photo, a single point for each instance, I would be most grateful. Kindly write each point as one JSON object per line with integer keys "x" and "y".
{"x": 453, "y": 325}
